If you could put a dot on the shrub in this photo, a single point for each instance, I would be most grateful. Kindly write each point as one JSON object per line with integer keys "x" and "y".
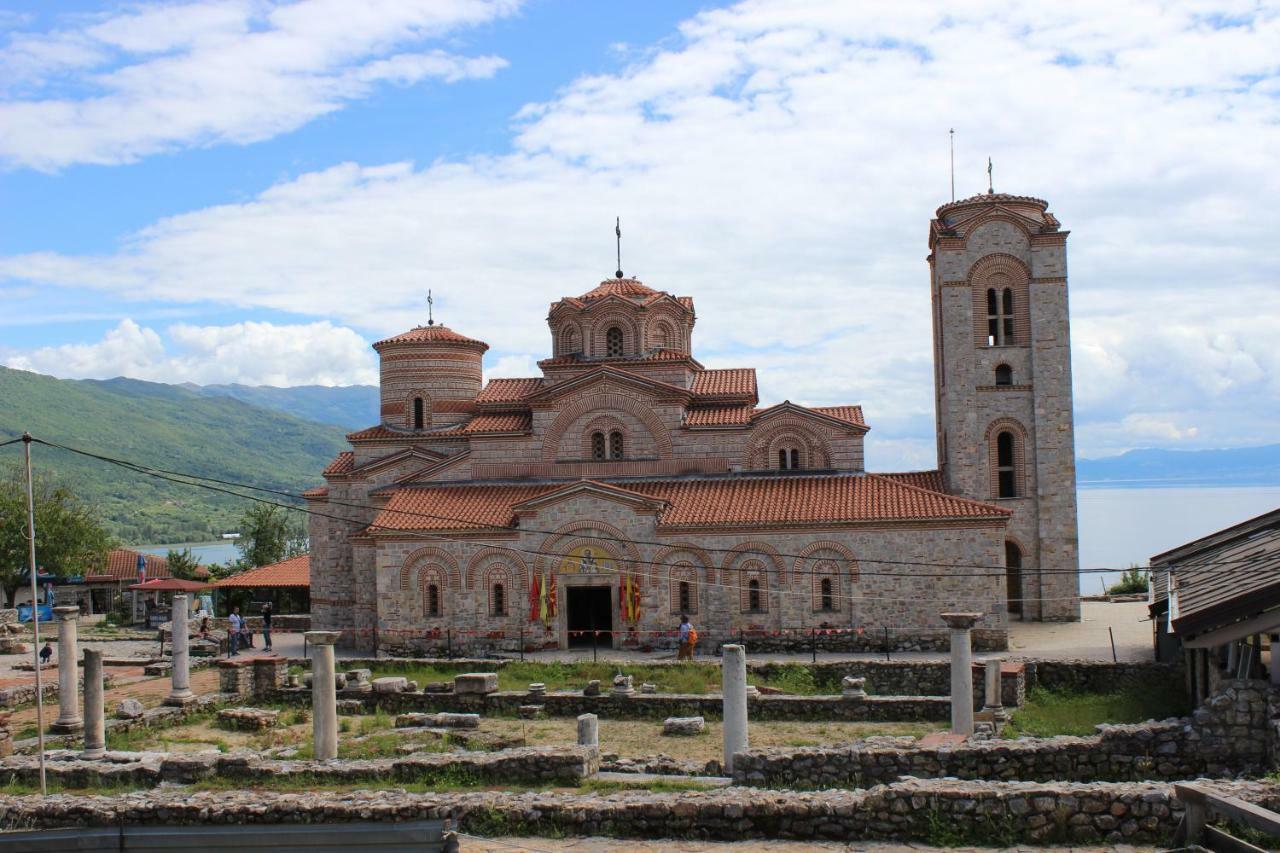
{"x": 1133, "y": 581}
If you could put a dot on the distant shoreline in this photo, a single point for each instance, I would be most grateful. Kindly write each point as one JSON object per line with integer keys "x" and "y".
{"x": 1175, "y": 483}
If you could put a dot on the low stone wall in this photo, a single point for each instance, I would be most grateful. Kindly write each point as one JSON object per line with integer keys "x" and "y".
{"x": 160, "y": 717}
{"x": 645, "y": 706}
{"x": 906, "y": 677}
{"x": 526, "y": 766}
{"x": 251, "y": 676}
{"x": 983, "y": 639}
{"x": 944, "y": 813}
{"x": 1228, "y": 735}
{"x": 1091, "y": 676}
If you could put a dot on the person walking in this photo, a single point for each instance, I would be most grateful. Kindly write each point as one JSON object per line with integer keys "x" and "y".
{"x": 234, "y": 626}
{"x": 46, "y": 653}
{"x": 688, "y": 638}
{"x": 266, "y": 627}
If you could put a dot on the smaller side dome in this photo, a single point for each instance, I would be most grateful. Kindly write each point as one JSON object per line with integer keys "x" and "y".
{"x": 431, "y": 335}
{"x": 429, "y": 377}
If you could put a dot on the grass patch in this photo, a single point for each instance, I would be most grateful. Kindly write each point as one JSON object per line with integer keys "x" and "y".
{"x": 660, "y": 786}
{"x": 1052, "y": 712}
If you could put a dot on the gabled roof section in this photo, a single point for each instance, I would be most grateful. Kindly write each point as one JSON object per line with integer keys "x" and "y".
{"x": 591, "y": 487}
{"x": 733, "y": 382}
{"x": 382, "y": 432}
{"x": 719, "y": 416}
{"x": 930, "y": 480}
{"x": 425, "y": 474}
{"x": 409, "y": 454}
{"x": 848, "y": 414}
{"x": 432, "y": 335}
{"x": 627, "y": 291}
{"x": 498, "y": 422}
{"x": 508, "y": 390}
{"x": 845, "y": 416}
{"x": 631, "y": 288}
{"x": 293, "y": 572}
{"x": 342, "y": 464}
{"x": 653, "y": 357}
{"x": 605, "y": 373}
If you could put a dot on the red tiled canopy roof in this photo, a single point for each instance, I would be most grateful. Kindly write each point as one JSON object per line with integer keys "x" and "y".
{"x": 122, "y": 564}
{"x": 711, "y": 502}
{"x": 848, "y": 414}
{"x": 628, "y": 287}
{"x": 731, "y": 382}
{"x": 499, "y": 422}
{"x": 343, "y": 463}
{"x": 931, "y": 480}
{"x": 719, "y": 416}
{"x": 295, "y": 571}
{"x": 432, "y": 335}
{"x": 509, "y": 390}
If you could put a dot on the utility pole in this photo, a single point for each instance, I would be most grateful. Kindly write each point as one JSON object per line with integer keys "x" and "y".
{"x": 35, "y": 608}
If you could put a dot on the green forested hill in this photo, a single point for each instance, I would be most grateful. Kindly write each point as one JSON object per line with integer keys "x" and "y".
{"x": 167, "y": 426}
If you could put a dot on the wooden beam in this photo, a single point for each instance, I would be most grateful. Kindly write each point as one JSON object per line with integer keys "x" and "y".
{"x": 1221, "y": 841}
{"x": 1268, "y": 621}
{"x": 1232, "y": 808}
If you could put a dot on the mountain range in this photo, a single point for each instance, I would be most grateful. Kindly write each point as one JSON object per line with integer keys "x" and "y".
{"x": 283, "y": 437}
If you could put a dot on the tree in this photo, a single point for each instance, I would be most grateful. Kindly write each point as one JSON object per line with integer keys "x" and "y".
{"x": 70, "y": 539}
{"x": 267, "y": 535}
{"x": 182, "y": 564}
{"x": 1133, "y": 581}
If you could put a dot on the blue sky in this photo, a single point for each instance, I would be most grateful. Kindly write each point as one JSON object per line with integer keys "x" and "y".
{"x": 247, "y": 190}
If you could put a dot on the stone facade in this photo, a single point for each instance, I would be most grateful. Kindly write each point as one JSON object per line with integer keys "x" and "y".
{"x": 631, "y": 483}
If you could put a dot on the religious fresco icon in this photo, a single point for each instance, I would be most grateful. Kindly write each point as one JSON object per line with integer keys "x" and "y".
{"x": 587, "y": 560}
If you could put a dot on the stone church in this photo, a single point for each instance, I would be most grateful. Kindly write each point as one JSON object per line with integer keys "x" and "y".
{"x": 628, "y": 484}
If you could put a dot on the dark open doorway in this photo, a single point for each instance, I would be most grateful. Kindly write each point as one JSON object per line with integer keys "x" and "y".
{"x": 590, "y": 608}
{"x": 1013, "y": 577}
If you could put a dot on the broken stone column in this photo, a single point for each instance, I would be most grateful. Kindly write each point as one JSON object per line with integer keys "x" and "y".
{"x": 588, "y": 730}
{"x": 961, "y": 624}
{"x": 733, "y": 689}
{"x": 994, "y": 704}
{"x": 69, "y": 721}
{"x": 180, "y": 693}
{"x": 95, "y": 709}
{"x": 324, "y": 694}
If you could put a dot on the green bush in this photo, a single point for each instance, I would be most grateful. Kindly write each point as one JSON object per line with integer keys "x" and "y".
{"x": 1133, "y": 581}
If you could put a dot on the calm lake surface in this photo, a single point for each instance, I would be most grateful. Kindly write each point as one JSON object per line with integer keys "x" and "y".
{"x": 1117, "y": 526}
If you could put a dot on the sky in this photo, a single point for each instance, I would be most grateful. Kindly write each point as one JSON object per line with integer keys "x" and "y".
{"x": 253, "y": 191}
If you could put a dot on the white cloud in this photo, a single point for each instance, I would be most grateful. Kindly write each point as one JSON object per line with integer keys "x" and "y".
{"x": 779, "y": 162}
{"x": 249, "y": 353}
{"x": 119, "y": 87}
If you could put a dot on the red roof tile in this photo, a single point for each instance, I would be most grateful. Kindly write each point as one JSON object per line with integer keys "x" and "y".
{"x": 849, "y": 414}
{"x": 122, "y": 565}
{"x": 931, "y": 480}
{"x": 376, "y": 432}
{"x": 499, "y": 422}
{"x": 719, "y": 416}
{"x": 295, "y": 571}
{"x": 628, "y": 287}
{"x": 656, "y": 355}
{"x": 733, "y": 382}
{"x": 712, "y": 502}
{"x": 343, "y": 463}
{"x": 432, "y": 335}
{"x": 509, "y": 390}
{"x": 315, "y": 493}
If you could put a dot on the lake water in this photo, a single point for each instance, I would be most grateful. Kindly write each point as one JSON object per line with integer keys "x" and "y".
{"x": 1117, "y": 526}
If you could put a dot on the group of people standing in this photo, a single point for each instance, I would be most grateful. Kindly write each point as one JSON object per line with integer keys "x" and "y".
{"x": 238, "y": 632}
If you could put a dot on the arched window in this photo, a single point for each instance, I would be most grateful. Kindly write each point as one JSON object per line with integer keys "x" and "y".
{"x": 686, "y": 597}
{"x": 598, "y": 446}
{"x": 433, "y": 600}
{"x": 1013, "y": 576}
{"x": 417, "y": 413}
{"x": 615, "y": 445}
{"x": 1006, "y": 470}
{"x": 828, "y": 598}
{"x": 999, "y": 316}
{"x": 1004, "y": 374}
{"x": 499, "y": 600}
{"x": 788, "y": 459}
{"x": 613, "y": 342}
{"x": 568, "y": 340}
{"x": 753, "y": 596}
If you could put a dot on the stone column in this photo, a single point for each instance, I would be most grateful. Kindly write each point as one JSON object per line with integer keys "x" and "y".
{"x": 324, "y": 694}
{"x": 69, "y": 721}
{"x": 588, "y": 730}
{"x": 994, "y": 701}
{"x": 95, "y": 716}
{"x": 180, "y": 693}
{"x": 961, "y": 670}
{"x": 733, "y": 689}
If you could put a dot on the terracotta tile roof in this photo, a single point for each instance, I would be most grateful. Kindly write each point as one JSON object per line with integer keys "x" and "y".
{"x": 381, "y": 432}
{"x": 317, "y": 492}
{"x": 295, "y": 572}
{"x": 990, "y": 198}
{"x": 732, "y": 382}
{"x": 509, "y": 390}
{"x": 628, "y": 287}
{"x": 499, "y": 422}
{"x": 431, "y": 335}
{"x": 122, "y": 565}
{"x": 849, "y": 414}
{"x": 719, "y": 416}
{"x": 656, "y": 355}
{"x": 711, "y": 502}
{"x": 343, "y": 463}
{"x": 931, "y": 480}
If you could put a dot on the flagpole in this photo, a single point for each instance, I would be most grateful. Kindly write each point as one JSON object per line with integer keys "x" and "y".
{"x": 35, "y": 608}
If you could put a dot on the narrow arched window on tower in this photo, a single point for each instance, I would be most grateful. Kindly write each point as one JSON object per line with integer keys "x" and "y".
{"x": 597, "y": 446}
{"x": 753, "y": 596}
{"x": 613, "y": 342}
{"x": 499, "y": 600}
{"x": 433, "y": 600}
{"x": 999, "y": 317}
{"x": 1006, "y": 471}
{"x": 615, "y": 445}
{"x": 417, "y": 413}
{"x": 795, "y": 459}
{"x": 1004, "y": 374}
{"x": 828, "y": 599}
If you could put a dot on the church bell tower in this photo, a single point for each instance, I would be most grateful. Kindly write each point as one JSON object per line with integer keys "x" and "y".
{"x": 1002, "y": 378}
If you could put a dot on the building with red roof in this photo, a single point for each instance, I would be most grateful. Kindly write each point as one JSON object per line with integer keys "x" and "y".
{"x": 286, "y": 584}
{"x": 628, "y": 483}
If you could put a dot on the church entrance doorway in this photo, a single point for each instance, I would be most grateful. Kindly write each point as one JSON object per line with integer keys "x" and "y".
{"x": 590, "y": 608}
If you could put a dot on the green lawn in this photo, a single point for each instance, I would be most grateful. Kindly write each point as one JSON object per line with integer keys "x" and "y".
{"x": 1048, "y": 713}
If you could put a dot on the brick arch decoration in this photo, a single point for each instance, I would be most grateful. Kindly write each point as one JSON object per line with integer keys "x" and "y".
{"x": 432, "y": 574}
{"x": 425, "y": 558}
{"x": 762, "y": 550}
{"x": 674, "y": 326}
{"x": 486, "y": 557}
{"x": 1001, "y": 270}
{"x": 753, "y": 569}
{"x": 826, "y": 569}
{"x": 1019, "y": 454}
{"x": 815, "y": 551}
{"x": 605, "y": 536}
{"x": 688, "y": 573}
{"x": 604, "y": 402}
{"x": 700, "y": 558}
{"x": 568, "y": 338}
{"x": 600, "y": 326}
{"x": 605, "y": 424}
{"x": 762, "y": 450}
{"x": 426, "y": 407}
{"x": 499, "y": 573}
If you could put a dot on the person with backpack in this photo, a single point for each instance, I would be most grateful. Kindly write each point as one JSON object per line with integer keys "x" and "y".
{"x": 688, "y": 639}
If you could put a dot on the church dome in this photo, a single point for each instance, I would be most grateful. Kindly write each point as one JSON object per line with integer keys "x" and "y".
{"x": 438, "y": 335}
{"x": 628, "y": 287}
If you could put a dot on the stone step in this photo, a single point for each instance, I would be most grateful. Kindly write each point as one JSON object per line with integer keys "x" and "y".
{"x": 642, "y": 779}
